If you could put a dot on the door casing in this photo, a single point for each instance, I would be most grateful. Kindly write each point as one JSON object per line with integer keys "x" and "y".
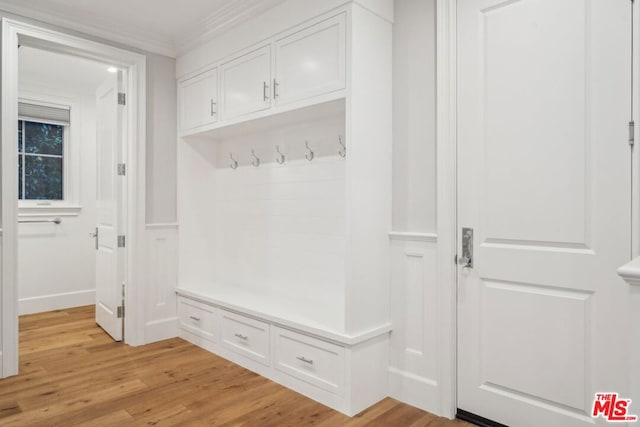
{"x": 14, "y": 32}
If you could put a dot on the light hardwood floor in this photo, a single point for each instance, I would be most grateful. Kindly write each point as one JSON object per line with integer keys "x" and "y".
{"x": 73, "y": 374}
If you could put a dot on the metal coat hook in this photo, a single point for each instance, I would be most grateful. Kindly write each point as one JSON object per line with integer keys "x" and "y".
{"x": 234, "y": 162}
{"x": 342, "y": 151}
{"x": 256, "y": 161}
{"x": 309, "y": 156}
{"x": 280, "y": 158}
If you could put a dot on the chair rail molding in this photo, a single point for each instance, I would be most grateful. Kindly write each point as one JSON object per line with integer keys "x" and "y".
{"x": 162, "y": 226}
{"x": 412, "y": 236}
{"x": 630, "y": 272}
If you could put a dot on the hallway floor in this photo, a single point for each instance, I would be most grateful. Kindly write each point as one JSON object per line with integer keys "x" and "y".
{"x": 72, "y": 373}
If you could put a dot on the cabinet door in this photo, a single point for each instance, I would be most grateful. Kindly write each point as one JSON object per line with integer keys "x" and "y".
{"x": 246, "y": 83}
{"x": 311, "y": 62}
{"x": 198, "y": 100}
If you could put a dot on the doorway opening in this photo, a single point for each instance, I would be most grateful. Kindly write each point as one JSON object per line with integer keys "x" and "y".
{"x": 73, "y": 131}
{"x": 66, "y": 191}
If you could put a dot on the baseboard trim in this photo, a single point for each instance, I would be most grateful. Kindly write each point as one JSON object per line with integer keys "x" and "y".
{"x": 414, "y": 390}
{"x": 159, "y": 330}
{"x": 477, "y": 420}
{"x": 59, "y": 301}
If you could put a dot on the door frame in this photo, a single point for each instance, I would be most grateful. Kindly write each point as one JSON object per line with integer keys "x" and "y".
{"x": 446, "y": 193}
{"x": 14, "y": 31}
{"x": 446, "y": 197}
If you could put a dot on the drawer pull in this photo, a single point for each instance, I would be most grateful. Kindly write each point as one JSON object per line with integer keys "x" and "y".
{"x": 197, "y": 319}
{"x": 305, "y": 360}
{"x": 242, "y": 337}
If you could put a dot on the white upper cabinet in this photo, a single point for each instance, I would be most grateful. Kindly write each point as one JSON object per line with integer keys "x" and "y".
{"x": 310, "y": 62}
{"x": 198, "y": 98}
{"x": 294, "y": 69}
{"x": 246, "y": 83}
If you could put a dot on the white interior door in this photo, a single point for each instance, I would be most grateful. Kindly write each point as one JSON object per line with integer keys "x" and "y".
{"x": 108, "y": 257}
{"x": 544, "y": 180}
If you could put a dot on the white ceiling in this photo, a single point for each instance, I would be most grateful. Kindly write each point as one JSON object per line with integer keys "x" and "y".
{"x": 161, "y": 26}
{"x": 50, "y": 69}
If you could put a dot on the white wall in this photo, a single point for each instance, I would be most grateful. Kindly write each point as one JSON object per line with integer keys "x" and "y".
{"x": 414, "y": 116}
{"x": 161, "y": 245}
{"x": 414, "y": 370}
{"x": 56, "y": 263}
{"x": 161, "y": 140}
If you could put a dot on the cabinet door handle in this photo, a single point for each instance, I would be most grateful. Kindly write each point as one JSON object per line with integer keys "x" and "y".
{"x": 265, "y": 86}
{"x": 275, "y": 88}
{"x": 242, "y": 337}
{"x": 213, "y": 105}
{"x": 197, "y": 319}
{"x": 305, "y": 360}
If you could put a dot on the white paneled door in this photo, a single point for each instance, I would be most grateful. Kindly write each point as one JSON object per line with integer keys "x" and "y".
{"x": 544, "y": 181}
{"x": 109, "y": 271}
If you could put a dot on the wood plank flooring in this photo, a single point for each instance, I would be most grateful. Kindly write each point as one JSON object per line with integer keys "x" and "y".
{"x": 73, "y": 374}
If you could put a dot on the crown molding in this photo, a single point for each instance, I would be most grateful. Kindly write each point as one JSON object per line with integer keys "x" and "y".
{"x": 234, "y": 13}
{"x": 143, "y": 40}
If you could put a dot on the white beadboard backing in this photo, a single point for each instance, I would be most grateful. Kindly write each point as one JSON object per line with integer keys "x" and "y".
{"x": 276, "y": 229}
{"x": 413, "y": 364}
{"x": 161, "y": 280}
{"x": 281, "y": 228}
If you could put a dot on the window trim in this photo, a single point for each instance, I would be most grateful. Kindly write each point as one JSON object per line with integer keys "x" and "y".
{"x": 71, "y": 157}
{"x": 65, "y": 164}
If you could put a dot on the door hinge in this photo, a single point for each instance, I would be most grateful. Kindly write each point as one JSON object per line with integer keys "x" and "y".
{"x": 122, "y": 169}
{"x": 121, "y": 241}
{"x": 120, "y": 311}
{"x": 122, "y": 98}
{"x": 632, "y": 132}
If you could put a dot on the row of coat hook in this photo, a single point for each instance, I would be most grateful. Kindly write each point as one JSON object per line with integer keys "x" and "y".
{"x": 280, "y": 159}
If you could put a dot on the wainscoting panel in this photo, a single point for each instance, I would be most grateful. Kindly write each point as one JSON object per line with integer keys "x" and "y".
{"x": 413, "y": 364}
{"x": 162, "y": 278}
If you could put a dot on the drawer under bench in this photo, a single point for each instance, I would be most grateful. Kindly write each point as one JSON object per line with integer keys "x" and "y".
{"x": 329, "y": 372}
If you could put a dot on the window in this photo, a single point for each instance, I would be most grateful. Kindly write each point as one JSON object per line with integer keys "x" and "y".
{"x": 40, "y": 161}
{"x": 42, "y": 134}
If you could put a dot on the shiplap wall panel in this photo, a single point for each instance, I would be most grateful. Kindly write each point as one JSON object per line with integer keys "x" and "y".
{"x": 282, "y": 235}
{"x": 280, "y": 228}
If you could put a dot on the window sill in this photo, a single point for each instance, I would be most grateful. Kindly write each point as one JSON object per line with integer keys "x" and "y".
{"x": 40, "y": 211}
